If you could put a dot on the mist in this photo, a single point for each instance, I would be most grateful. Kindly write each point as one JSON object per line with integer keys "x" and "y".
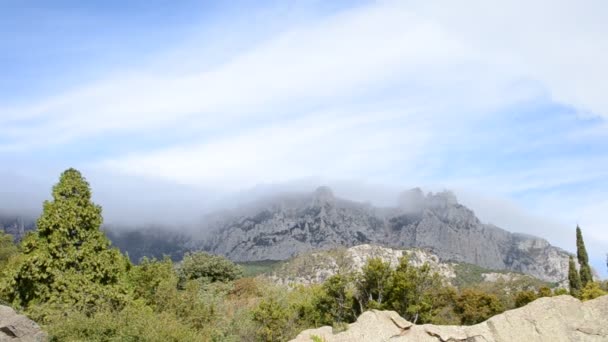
{"x": 136, "y": 203}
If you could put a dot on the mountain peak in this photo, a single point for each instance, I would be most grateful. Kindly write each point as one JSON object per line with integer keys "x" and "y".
{"x": 442, "y": 199}
{"x": 323, "y": 195}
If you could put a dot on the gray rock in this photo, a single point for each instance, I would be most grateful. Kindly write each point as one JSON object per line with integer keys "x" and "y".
{"x": 554, "y": 319}
{"x": 285, "y": 226}
{"x": 18, "y": 328}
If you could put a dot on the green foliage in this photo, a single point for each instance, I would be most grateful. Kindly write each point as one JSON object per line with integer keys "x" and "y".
{"x": 255, "y": 268}
{"x": 7, "y": 249}
{"x": 592, "y": 290}
{"x": 414, "y": 291}
{"x": 151, "y": 277}
{"x": 468, "y": 275}
{"x": 544, "y": 291}
{"x": 524, "y": 297}
{"x": 475, "y": 306}
{"x": 560, "y": 291}
{"x": 208, "y": 268}
{"x": 374, "y": 282}
{"x": 336, "y": 302}
{"x": 135, "y": 322}
{"x": 583, "y": 259}
{"x": 574, "y": 279}
{"x": 68, "y": 260}
{"x": 273, "y": 317}
{"x": 316, "y": 338}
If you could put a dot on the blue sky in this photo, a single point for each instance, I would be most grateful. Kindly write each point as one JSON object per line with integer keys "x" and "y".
{"x": 195, "y": 100}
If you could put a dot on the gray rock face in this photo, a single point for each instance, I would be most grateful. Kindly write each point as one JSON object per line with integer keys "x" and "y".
{"x": 281, "y": 228}
{"x": 555, "y": 319}
{"x": 18, "y": 328}
{"x": 16, "y": 226}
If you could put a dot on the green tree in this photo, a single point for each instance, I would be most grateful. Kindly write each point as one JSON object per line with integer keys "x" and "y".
{"x": 475, "y": 306}
{"x": 374, "y": 282}
{"x": 337, "y": 303}
{"x": 574, "y": 279}
{"x": 208, "y": 268}
{"x": 68, "y": 260}
{"x": 414, "y": 291}
{"x": 583, "y": 259}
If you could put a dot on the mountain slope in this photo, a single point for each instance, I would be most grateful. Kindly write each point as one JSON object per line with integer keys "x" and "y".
{"x": 282, "y": 227}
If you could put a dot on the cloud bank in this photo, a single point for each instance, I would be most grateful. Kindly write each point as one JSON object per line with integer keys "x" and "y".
{"x": 505, "y": 100}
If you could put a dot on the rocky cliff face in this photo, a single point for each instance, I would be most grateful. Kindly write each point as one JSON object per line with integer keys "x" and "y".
{"x": 280, "y": 228}
{"x": 16, "y": 226}
{"x": 555, "y": 319}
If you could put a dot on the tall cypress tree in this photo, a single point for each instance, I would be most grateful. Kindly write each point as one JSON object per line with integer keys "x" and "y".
{"x": 583, "y": 258}
{"x": 574, "y": 279}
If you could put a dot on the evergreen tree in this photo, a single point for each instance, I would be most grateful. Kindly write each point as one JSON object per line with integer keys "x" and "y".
{"x": 583, "y": 259}
{"x": 574, "y": 279}
{"x": 68, "y": 259}
{"x": 374, "y": 282}
{"x": 414, "y": 291}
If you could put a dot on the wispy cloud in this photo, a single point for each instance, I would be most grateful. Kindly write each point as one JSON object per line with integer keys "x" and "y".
{"x": 503, "y": 98}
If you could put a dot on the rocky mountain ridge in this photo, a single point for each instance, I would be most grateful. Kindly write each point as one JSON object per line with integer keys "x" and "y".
{"x": 279, "y": 228}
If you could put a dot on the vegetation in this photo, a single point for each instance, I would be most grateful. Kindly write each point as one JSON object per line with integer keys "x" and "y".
{"x": 67, "y": 261}
{"x": 208, "y": 268}
{"x": 7, "y": 249}
{"x": 574, "y": 279}
{"x": 583, "y": 259}
{"x": 581, "y": 281}
{"x": 67, "y": 276}
{"x": 255, "y": 268}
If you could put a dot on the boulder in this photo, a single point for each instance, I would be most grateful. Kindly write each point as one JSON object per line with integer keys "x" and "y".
{"x": 18, "y": 328}
{"x": 555, "y": 319}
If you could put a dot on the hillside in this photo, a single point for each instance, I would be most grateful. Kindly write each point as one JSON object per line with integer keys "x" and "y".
{"x": 288, "y": 225}
{"x": 316, "y": 267}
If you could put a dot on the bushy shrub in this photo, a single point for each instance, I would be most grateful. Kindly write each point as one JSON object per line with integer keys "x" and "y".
{"x": 475, "y": 306}
{"x": 208, "y": 268}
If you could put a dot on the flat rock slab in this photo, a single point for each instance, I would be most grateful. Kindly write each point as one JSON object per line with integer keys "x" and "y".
{"x": 554, "y": 319}
{"x": 18, "y": 328}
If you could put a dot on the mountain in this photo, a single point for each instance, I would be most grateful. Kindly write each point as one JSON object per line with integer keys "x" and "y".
{"x": 281, "y": 227}
{"x": 137, "y": 242}
{"x": 17, "y": 226}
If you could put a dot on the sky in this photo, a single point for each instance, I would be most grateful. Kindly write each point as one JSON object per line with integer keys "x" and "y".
{"x": 170, "y": 108}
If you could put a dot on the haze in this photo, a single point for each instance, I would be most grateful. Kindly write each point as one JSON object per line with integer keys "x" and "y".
{"x": 174, "y": 109}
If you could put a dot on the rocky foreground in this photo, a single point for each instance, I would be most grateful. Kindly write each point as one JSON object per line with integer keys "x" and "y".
{"x": 18, "y": 328}
{"x": 561, "y": 318}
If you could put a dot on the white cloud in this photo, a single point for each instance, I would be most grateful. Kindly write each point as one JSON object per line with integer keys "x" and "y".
{"x": 345, "y": 55}
{"x": 326, "y": 145}
{"x": 368, "y": 93}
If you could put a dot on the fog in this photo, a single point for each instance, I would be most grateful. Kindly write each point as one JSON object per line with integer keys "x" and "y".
{"x": 132, "y": 203}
